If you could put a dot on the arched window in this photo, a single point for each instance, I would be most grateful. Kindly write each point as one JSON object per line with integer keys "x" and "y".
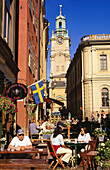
{"x": 105, "y": 97}
{"x": 62, "y": 68}
{"x": 57, "y": 68}
{"x": 60, "y": 24}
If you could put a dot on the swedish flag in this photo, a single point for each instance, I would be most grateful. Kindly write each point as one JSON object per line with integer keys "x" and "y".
{"x": 38, "y": 92}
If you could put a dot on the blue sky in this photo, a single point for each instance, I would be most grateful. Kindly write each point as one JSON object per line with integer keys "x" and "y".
{"x": 83, "y": 17}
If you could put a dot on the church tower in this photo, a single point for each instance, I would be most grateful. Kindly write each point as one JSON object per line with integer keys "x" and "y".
{"x": 60, "y": 60}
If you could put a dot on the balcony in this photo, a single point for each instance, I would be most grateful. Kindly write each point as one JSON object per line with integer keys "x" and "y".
{"x": 95, "y": 37}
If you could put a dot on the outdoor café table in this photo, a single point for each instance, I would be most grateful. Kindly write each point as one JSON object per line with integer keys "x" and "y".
{"x": 23, "y": 164}
{"x": 74, "y": 145}
{"x": 29, "y": 151}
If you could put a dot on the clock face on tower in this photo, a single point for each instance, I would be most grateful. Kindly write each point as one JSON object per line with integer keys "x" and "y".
{"x": 60, "y": 40}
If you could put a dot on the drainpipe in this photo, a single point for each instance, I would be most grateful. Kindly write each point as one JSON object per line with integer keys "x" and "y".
{"x": 39, "y": 112}
{"x": 39, "y": 40}
{"x": 82, "y": 86}
{"x": 92, "y": 78}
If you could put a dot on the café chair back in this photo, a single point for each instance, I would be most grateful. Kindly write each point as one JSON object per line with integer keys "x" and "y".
{"x": 90, "y": 147}
{"x": 56, "y": 157}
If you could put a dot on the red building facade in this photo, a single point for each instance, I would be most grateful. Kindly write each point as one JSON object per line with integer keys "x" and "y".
{"x": 28, "y": 53}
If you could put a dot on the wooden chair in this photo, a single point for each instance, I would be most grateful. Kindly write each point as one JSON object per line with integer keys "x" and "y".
{"x": 56, "y": 157}
{"x": 85, "y": 159}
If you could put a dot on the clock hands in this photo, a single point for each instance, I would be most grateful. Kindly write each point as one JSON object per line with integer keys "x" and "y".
{"x": 60, "y": 40}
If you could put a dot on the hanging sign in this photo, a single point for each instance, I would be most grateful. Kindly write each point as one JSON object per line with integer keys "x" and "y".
{"x": 17, "y": 91}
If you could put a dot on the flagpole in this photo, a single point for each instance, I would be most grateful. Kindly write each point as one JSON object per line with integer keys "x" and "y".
{"x": 35, "y": 83}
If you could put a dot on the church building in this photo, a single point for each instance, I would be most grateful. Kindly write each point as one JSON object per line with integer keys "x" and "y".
{"x": 60, "y": 60}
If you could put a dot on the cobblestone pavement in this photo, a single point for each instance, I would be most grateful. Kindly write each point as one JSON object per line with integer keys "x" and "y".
{"x": 61, "y": 168}
{"x": 68, "y": 168}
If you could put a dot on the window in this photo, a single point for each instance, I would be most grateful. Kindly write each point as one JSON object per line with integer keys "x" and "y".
{"x": 36, "y": 28}
{"x": 33, "y": 63}
{"x": 30, "y": 6}
{"x": 78, "y": 70}
{"x": 57, "y": 68}
{"x": 103, "y": 62}
{"x": 76, "y": 75}
{"x": 60, "y": 24}
{"x": 34, "y": 15}
{"x": 7, "y": 20}
{"x": 73, "y": 77}
{"x": 36, "y": 71}
{"x": 62, "y": 68}
{"x": 105, "y": 94}
{"x": 30, "y": 54}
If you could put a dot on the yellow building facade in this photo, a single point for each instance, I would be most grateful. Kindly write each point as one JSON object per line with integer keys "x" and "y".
{"x": 88, "y": 77}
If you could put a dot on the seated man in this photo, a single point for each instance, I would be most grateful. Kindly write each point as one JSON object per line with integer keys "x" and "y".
{"x": 19, "y": 141}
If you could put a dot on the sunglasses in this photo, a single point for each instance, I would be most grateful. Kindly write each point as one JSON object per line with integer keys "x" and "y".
{"x": 21, "y": 135}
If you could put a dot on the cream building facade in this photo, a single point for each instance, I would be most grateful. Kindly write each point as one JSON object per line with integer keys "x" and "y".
{"x": 60, "y": 60}
{"x": 88, "y": 77}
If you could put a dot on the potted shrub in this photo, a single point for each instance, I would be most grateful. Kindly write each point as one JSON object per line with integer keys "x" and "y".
{"x": 7, "y": 105}
{"x": 48, "y": 126}
{"x": 103, "y": 156}
{"x": 3, "y": 142}
{"x": 99, "y": 134}
{"x": 47, "y": 134}
{"x": 68, "y": 125}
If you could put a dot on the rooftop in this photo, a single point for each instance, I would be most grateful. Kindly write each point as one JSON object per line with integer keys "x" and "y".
{"x": 95, "y": 37}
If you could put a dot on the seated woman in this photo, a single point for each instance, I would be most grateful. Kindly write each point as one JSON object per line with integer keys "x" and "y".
{"x": 33, "y": 127}
{"x": 58, "y": 144}
{"x": 84, "y": 136}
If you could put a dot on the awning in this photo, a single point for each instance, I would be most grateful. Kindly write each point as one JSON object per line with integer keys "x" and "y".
{"x": 50, "y": 100}
{"x": 47, "y": 100}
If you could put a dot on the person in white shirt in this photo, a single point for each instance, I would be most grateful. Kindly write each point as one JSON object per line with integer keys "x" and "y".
{"x": 20, "y": 140}
{"x": 17, "y": 143}
{"x": 58, "y": 144}
{"x": 84, "y": 136}
{"x": 43, "y": 126}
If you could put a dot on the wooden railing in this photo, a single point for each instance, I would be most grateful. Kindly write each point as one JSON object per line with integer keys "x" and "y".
{"x": 55, "y": 119}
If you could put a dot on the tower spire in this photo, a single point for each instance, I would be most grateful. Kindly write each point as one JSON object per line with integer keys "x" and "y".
{"x": 60, "y": 9}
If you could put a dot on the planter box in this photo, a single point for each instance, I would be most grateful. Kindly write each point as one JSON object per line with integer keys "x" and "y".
{"x": 48, "y": 127}
{"x": 100, "y": 168}
{"x": 68, "y": 127}
{"x": 101, "y": 138}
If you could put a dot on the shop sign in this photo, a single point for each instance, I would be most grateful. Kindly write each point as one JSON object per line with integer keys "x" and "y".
{"x": 17, "y": 91}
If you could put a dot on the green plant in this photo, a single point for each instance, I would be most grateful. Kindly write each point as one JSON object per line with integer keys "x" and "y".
{"x": 31, "y": 105}
{"x": 48, "y": 124}
{"x": 7, "y": 104}
{"x": 103, "y": 155}
{"x": 67, "y": 123}
{"x": 31, "y": 108}
{"x": 48, "y": 132}
{"x": 99, "y": 131}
